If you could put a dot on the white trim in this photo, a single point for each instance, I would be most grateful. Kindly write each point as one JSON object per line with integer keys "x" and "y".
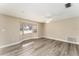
{"x": 49, "y": 20}
{"x": 61, "y": 40}
{"x": 15, "y": 43}
{"x": 7, "y": 45}
{"x": 26, "y": 32}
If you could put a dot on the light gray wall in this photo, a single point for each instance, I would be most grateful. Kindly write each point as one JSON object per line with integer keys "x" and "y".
{"x": 60, "y": 30}
{"x": 63, "y": 29}
{"x": 10, "y": 30}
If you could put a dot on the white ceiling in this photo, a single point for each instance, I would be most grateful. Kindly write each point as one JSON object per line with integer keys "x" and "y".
{"x": 41, "y": 12}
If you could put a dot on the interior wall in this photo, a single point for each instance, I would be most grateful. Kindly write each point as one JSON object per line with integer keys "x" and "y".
{"x": 66, "y": 30}
{"x": 10, "y": 30}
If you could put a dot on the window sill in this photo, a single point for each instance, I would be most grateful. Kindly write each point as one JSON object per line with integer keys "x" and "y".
{"x": 26, "y": 32}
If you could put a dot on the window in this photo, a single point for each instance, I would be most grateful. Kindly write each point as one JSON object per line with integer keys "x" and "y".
{"x": 26, "y": 28}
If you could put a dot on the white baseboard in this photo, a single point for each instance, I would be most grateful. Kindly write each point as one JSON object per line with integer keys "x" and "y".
{"x": 61, "y": 40}
{"x": 15, "y": 43}
{"x": 7, "y": 45}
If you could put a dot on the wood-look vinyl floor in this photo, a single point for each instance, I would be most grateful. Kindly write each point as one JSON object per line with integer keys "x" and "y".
{"x": 45, "y": 47}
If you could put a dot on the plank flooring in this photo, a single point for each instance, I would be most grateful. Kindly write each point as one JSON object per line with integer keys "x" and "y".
{"x": 45, "y": 47}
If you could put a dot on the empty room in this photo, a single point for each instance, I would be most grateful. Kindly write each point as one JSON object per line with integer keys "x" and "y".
{"x": 39, "y": 29}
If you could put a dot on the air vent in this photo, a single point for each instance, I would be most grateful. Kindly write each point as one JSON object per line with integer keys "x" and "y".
{"x": 71, "y": 39}
{"x": 68, "y": 5}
